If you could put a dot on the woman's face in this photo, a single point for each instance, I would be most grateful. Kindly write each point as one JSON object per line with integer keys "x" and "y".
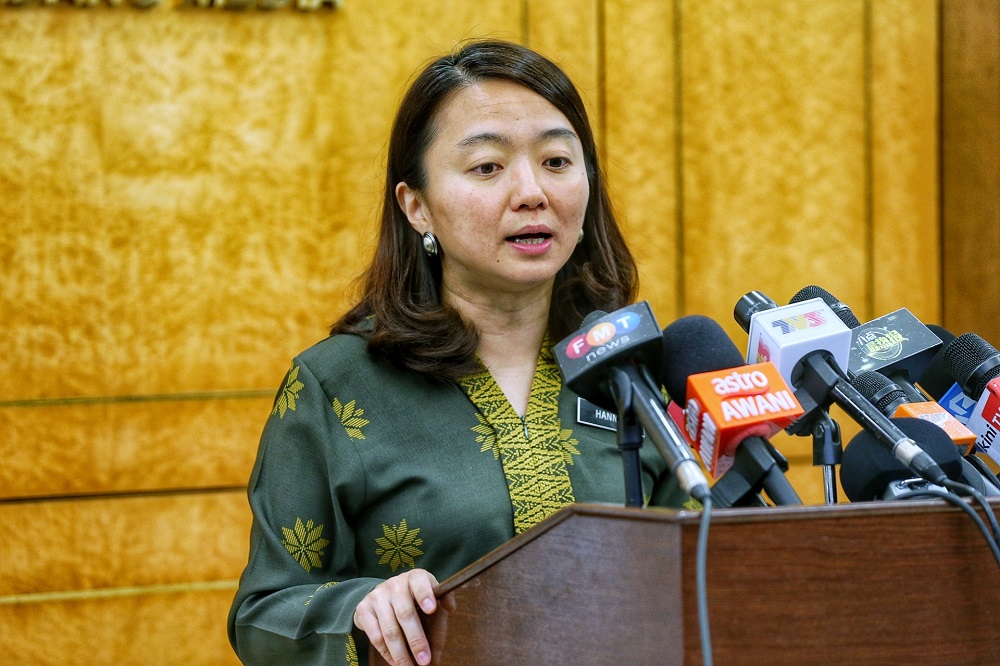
{"x": 506, "y": 190}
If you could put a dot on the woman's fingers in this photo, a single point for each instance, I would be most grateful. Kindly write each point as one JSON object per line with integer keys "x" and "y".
{"x": 389, "y": 617}
{"x": 422, "y": 585}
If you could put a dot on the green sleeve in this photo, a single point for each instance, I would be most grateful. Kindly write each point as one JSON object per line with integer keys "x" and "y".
{"x": 298, "y": 593}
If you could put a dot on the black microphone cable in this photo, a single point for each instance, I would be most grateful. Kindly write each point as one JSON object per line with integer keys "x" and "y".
{"x": 867, "y": 469}
{"x": 984, "y": 470}
{"x": 961, "y": 488}
{"x": 954, "y": 499}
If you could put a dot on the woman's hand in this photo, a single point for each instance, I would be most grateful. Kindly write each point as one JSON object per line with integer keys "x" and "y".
{"x": 388, "y": 615}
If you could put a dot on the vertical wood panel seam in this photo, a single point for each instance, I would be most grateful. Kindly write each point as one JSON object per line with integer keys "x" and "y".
{"x": 602, "y": 88}
{"x": 942, "y": 247}
{"x": 525, "y": 23}
{"x": 869, "y": 194}
{"x": 681, "y": 295}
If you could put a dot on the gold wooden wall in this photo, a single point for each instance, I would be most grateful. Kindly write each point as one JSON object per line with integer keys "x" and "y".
{"x": 186, "y": 194}
{"x": 970, "y": 165}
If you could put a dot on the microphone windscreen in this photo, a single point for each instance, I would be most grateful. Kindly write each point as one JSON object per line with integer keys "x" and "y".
{"x": 842, "y": 311}
{"x": 692, "y": 345}
{"x": 867, "y": 468}
{"x": 937, "y": 379}
{"x": 592, "y": 317}
{"x": 877, "y": 389}
{"x": 965, "y": 354}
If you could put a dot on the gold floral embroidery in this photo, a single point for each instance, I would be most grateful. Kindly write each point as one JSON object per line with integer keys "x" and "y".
{"x": 305, "y": 544}
{"x": 399, "y": 546}
{"x": 535, "y": 452}
{"x": 352, "y": 651}
{"x": 566, "y": 445}
{"x": 350, "y": 418}
{"x": 486, "y": 436}
{"x": 289, "y": 394}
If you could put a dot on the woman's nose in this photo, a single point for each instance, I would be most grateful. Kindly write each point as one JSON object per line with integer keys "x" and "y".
{"x": 526, "y": 189}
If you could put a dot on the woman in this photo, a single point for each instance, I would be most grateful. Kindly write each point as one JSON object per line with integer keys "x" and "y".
{"x": 433, "y": 425}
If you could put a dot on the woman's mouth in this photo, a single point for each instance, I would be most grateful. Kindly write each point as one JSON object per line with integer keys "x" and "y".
{"x": 530, "y": 239}
{"x": 533, "y": 243}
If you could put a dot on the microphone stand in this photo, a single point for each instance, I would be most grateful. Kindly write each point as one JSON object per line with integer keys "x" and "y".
{"x": 629, "y": 437}
{"x": 827, "y": 451}
{"x": 757, "y": 466}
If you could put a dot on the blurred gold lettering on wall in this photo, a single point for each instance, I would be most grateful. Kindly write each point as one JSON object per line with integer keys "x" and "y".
{"x": 300, "y": 5}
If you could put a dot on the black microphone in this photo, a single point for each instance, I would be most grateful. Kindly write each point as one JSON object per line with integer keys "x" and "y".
{"x": 898, "y": 344}
{"x": 611, "y": 361}
{"x": 732, "y": 443}
{"x": 938, "y": 382}
{"x": 936, "y": 379}
{"x": 974, "y": 363}
{"x": 845, "y": 313}
{"x": 868, "y": 472}
{"x": 892, "y": 400}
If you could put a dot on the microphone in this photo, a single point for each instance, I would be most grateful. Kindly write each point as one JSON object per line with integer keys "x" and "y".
{"x": 975, "y": 365}
{"x": 609, "y": 362}
{"x": 815, "y": 361}
{"x": 784, "y": 335}
{"x": 729, "y": 411}
{"x": 936, "y": 379}
{"x": 898, "y": 344}
{"x": 868, "y": 472}
{"x": 845, "y": 313}
{"x": 893, "y": 401}
{"x": 939, "y": 383}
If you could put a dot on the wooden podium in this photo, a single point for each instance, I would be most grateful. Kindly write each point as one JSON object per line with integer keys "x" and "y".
{"x": 873, "y": 583}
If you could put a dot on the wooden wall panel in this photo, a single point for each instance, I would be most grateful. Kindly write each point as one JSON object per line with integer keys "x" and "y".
{"x": 640, "y": 148}
{"x": 158, "y": 257}
{"x": 117, "y": 447}
{"x": 970, "y": 165}
{"x": 568, "y": 32}
{"x": 110, "y": 542}
{"x": 169, "y": 628}
{"x": 906, "y": 239}
{"x": 773, "y": 152}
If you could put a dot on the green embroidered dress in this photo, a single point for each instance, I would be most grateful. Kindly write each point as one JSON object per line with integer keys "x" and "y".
{"x": 365, "y": 471}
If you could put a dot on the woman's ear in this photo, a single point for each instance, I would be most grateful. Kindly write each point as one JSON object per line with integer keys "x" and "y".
{"x": 413, "y": 207}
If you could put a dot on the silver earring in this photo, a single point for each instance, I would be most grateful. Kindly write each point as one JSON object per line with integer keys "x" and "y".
{"x": 579, "y": 239}
{"x": 430, "y": 244}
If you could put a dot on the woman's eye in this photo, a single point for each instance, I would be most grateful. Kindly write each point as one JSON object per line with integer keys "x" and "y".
{"x": 486, "y": 169}
{"x": 557, "y": 162}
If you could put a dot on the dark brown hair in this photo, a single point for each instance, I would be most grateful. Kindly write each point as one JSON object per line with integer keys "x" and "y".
{"x": 400, "y": 290}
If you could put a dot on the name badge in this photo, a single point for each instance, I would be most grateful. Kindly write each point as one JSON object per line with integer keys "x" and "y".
{"x": 590, "y": 414}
